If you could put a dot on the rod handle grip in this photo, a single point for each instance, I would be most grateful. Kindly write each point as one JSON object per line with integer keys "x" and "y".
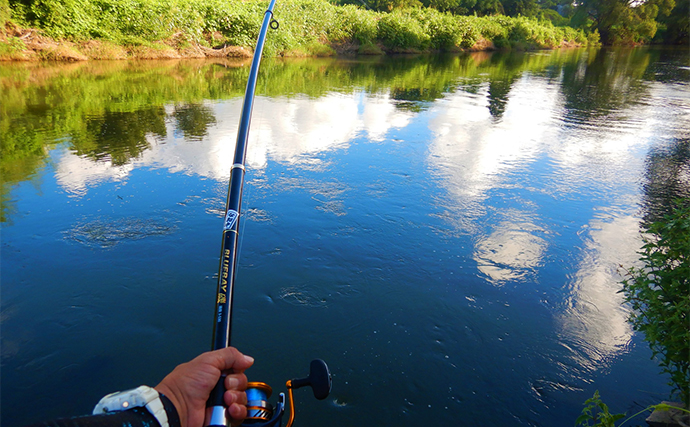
{"x": 216, "y": 412}
{"x": 216, "y": 396}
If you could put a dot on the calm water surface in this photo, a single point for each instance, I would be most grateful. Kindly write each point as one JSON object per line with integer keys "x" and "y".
{"x": 445, "y": 232}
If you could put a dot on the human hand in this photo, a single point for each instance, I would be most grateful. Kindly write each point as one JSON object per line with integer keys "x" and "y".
{"x": 189, "y": 385}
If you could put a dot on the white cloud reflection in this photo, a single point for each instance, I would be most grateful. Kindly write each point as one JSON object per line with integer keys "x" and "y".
{"x": 284, "y": 130}
{"x": 595, "y": 318}
{"x": 75, "y": 174}
{"x": 474, "y": 154}
{"x": 513, "y": 250}
{"x": 472, "y": 150}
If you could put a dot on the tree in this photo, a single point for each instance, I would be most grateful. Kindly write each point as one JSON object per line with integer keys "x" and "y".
{"x": 389, "y": 5}
{"x": 675, "y": 28}
{"x": 622, "y": 21}
{"x": 521, "y": 7}
{"x": 488, "y": 7}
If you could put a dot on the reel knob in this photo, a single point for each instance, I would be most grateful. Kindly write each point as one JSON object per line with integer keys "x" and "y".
{"x": 319, "y": 379}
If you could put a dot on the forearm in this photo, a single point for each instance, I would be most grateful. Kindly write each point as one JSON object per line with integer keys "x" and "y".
{"x": 135, "y": 417}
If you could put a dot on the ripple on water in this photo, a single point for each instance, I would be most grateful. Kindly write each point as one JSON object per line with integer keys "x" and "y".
{"x": 341, "y": 403}
{"x": 302, "y": 295}
{"x": 107, "y": 232}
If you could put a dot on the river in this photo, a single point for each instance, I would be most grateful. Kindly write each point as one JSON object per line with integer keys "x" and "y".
{"x": 447, "y": 232}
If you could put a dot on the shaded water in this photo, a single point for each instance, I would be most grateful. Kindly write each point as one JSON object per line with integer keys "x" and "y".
{"x": 444, "y": 231}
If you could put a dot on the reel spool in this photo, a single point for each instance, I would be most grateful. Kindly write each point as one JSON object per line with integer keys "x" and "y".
{"x": 258, "y": 408}
{"x": 260, "y": 413}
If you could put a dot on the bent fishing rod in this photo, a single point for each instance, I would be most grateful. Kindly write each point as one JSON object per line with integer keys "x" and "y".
{"x": 260, "y": 413}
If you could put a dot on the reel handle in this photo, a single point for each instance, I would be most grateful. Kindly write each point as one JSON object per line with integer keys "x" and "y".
{"x": 319, "y": 379}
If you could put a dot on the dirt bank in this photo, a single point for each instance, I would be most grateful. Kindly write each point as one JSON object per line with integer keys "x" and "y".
{"x": 26, "y": 44}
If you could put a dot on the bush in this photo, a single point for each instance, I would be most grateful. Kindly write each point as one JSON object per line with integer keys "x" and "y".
{"x": 469, "y": 31}
{"x": 358, "y": 24}
{"x": 596, "y": 414}
{"x": 442, "y": 28}
{"x": 659, "y": 294}
{"x": 4, "y": 12}
{"x": 239, "y": 23}
{"x": 492, "y": 29}
{"x": 400, "y": 30}
{"x": 63, "y": 18}
{"x": 554, "y": 17}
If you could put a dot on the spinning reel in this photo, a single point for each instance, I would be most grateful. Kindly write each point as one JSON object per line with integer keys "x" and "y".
{"x": 260, "y": 413}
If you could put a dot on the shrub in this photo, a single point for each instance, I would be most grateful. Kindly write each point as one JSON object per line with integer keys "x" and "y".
{"x": 441, "y": 28}
{"x": 358, "y": 24}
{"x": 491, "y": 29}
{"x": 554, "y": 17}
{"x": 596, "y": 414}
{"x": 64, "y": 18}
{"x": 4, "y": 12}
{"x": 239, "y": 23}
{"x": 469, "y": 31}
{"x": 659, "y": 294}
{"x": 11, "y": 48}
{"x": 593, "y": 38}
{"x": 303, "y": 25}
{"x": 399, "y": 30}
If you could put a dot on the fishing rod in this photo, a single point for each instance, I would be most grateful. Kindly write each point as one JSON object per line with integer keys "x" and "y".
{"x": 260, "y": 413}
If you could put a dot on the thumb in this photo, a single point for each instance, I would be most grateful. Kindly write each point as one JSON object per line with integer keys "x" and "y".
{"x": 228, "y": 358}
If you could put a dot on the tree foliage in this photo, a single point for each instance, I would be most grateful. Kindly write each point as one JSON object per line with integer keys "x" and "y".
{"x": 674, "y": 28}
{"x": 617, "y": 21}
{"x": 622, "y": 21}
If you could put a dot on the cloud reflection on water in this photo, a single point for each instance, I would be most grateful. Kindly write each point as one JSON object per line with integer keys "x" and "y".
{"x": 472, "y": 154}
{"x": 530, "y": 151}
{"x": 512, "y": 251}
{"x": 594, "y": 320}
{"x": 288, "y": 130}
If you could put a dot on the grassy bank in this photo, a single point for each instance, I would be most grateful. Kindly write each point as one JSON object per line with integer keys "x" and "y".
{"x": 162, "y": 28}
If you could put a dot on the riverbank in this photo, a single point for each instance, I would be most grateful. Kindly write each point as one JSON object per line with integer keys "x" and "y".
{"x": 30, "y": 44}
{"x": 148, "y": 29}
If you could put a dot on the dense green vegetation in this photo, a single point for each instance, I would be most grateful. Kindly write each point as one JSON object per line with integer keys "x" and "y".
{"x": 618, "y": 21}
{"x": 623, "y": 21}
{"x": 308, "y": 27}
{"x": 315, "y": 27}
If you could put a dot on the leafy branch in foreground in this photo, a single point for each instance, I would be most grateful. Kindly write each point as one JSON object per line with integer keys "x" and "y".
{"x": 596, "y": 413}
{"x": 659, "y": 295}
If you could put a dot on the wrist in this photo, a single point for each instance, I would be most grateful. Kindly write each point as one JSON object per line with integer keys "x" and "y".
{"x": 156, "y": 404}
{"x": 177, "y": 404}
{"x": 171, "y": 410}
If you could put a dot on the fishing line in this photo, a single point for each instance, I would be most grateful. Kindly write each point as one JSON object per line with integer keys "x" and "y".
{"x": 247, "y": 190}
